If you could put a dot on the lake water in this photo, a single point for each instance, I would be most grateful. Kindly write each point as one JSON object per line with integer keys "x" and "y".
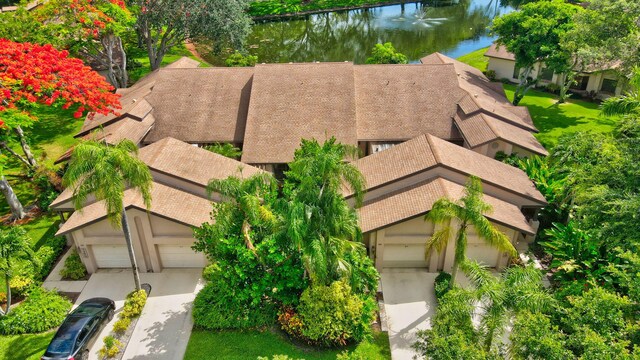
{"x": 415, "y": 29}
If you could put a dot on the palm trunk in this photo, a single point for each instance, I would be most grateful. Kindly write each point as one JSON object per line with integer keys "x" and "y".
{"x": 15, "y": 205}
{"x": 454, "y": 274}
{"x": 25, "y": 147}
{"x": 132, "y": 256}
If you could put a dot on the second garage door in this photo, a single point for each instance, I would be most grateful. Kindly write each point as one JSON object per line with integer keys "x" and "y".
{"x": 180, "y": 256}
{"x": 483, "y": 253}
{"x": 111, "y": 256}
{"x": 404, "y": 255}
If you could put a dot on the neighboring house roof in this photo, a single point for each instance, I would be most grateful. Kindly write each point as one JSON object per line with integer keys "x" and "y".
{"x": 201, "y": 105}
{"x": 481, "y": 128}
{"x": 394, "y": 102}
{"x": 499, "y": 52}
{"x": 196, "y": 165}
{"x": 167, "y": 202}
{"x": 427, "y": 151}
{"x": 290, "y": 102}
{"x": 418, "y": 200}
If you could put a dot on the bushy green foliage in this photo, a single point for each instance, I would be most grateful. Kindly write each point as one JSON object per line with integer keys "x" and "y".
{"x": 334, "y": 316}
{"x": 237, "y": 59}
{"x": 491, "y": 75}
{"x": 441, "y": 284}
{"x": 111, "y": 347}
{"x": 534, "y": 337}
{"x": 73, "y": 267}
{"x": 47, "y": 255}
{"x": 120, "y": 326}
{"x": 279, "y": 7}
{"x": 41, "y": 311}
{"x": 386, "y": 54}
{"x": 575, "y": 253}
{"x": 134, "y": 304}
{"x": 225, "y": 149}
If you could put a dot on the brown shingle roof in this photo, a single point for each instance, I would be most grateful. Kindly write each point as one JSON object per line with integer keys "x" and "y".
{"x": 499, "y": 52}
{"x": 201, "y": 105}
{"x": 427, "y": 151}
{"x": 191, "y": 163}
{"x": 400, "y": 102}
{"x": 290, "y": 102}
{"x": 418, "y": 199}
{"x": 482, "y": 128}
{"x": 167, "y": 202}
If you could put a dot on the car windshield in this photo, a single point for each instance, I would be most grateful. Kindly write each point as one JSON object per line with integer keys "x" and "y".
{"x": 87, "y": 310}
{"x": 63, "y": 341}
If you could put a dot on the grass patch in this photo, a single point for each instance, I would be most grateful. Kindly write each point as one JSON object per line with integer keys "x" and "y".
{"x": 24, "y": 347}
{"x": 172, "y": 55}
{"x": 476, "y": 59}
{"x": 248, "y": 345}
{"x": 555, "y": 120}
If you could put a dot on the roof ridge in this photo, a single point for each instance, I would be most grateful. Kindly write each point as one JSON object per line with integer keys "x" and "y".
{"x": 491, "y": 127}
{"x": 435, "y": 152}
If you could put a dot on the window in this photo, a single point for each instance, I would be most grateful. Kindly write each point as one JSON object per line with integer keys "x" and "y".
{"x": 580, "y": 83}
{"x": 609, "y": 86}
{"x": 546, "y": 74}
{"x": 516, "y": 72}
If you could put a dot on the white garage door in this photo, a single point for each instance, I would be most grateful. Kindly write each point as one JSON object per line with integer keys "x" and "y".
{"x": 404, "y": 255}
{"x": 111, "y": 256}
{"x": 180, "y": 256}
{"x": 483, "y": 254}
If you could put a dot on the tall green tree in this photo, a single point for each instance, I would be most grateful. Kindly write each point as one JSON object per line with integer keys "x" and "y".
{"x": 164, "y": 24}
{"x": 533, "y": 35}
{"x": 14, "y": 243}
{"x": 105, "y": 172}
{"x": 386, "y": 54}
{"x": 470, "y": 210}
{"x": 317, "y": 219}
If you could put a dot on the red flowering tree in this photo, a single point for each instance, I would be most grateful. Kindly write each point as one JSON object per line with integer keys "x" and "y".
{"x": 39, "y": 74}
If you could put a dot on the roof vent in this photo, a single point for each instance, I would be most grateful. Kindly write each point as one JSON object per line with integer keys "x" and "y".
{"x": 475, "y": 95}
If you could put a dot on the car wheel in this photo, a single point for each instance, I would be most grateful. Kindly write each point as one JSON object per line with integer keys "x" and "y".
{"x": 84, "y": 355}
{"x": 110, "y": 315}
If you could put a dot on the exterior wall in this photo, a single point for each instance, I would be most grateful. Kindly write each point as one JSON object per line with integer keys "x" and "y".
{"x": 492, "y": 148}
{"x": 503, "y": 68}
{"x": 414, "y": 233}
{"x": 147, "y": 232}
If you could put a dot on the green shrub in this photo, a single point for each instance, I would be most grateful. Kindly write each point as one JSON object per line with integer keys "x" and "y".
{"x": 41, "y": 311}
{"x": 121, "y": 325}
{"x": 333, "y": 315}
{"x": 386, "y": 54}
{"x": 364, "y": 351}
{"x": 111, "y": 347}
{"x": 20, "y": 285}
{"x": 239, "y": 60}
{"x": 277, "y": 357}
{"x": 225, "y": 149}
{"x": 553, "y": 88}
{"x": 441, "y": 284}
{"x": 491, "y": 75}
{"x": 134, "y": 304}
{"x": 47, "y": 255}
{"x": 215, "y": 308}
{"x": 73, "y": 267}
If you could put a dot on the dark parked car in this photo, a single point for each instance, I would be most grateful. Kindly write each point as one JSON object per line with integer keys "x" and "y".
{"x": 79, "y": 330}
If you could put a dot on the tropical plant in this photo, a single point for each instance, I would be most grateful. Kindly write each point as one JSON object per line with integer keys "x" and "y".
{"x": 73, "y": 267}
{"x": 628, "y": 103}
{"x": 470, "y": 210}
{"x": 225, "y": 149}
{"x": 317, "y": 219}
{"x": 238, "y": 59}
{"x": 14, "y": 243}
{"x": 105, "y": 171}
{"x": 575, "y": 253}
{"x": 386, "y": 54}
{"x": 534, "y": 337}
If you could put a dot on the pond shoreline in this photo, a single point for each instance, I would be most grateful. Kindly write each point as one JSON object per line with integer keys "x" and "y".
{"x": 333, "y": 9}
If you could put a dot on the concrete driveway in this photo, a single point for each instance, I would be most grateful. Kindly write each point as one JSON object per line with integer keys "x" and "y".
{"x": 409, "y": 302}
{"x": 163, "y": 330}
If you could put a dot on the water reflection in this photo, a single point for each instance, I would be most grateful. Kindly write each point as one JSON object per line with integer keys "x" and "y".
{"x": 415, "y": 29}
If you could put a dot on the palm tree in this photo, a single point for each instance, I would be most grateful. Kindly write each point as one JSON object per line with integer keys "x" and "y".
{"x": 626, "y": 104}
{"x": 518, "y": 289}
{"x": 14, "y": 242}
{"x": 470, "y": 210}
{"x": 106, "y": 171}
{"x": 317, "y": 219}
{"x": 250, "y": 200}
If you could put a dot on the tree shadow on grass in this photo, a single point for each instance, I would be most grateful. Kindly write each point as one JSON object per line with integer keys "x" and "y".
{"x": 563, "y": 116}
{"x": 27, "y": 346}
{"x": 51, "y": 123}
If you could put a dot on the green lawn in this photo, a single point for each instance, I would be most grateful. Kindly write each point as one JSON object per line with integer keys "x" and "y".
{"x": 24, "y": 347}
{"x": 476, "y": 59}
{"x": 554, "y": 120}
{"x": 235, "y": 345}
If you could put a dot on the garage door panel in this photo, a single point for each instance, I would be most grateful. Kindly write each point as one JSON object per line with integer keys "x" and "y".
{"x": 111, "y": 256}
{"x": 483, "y": 254}
{"x": 180, "y": 256}
{"x": 404, "y": 255}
